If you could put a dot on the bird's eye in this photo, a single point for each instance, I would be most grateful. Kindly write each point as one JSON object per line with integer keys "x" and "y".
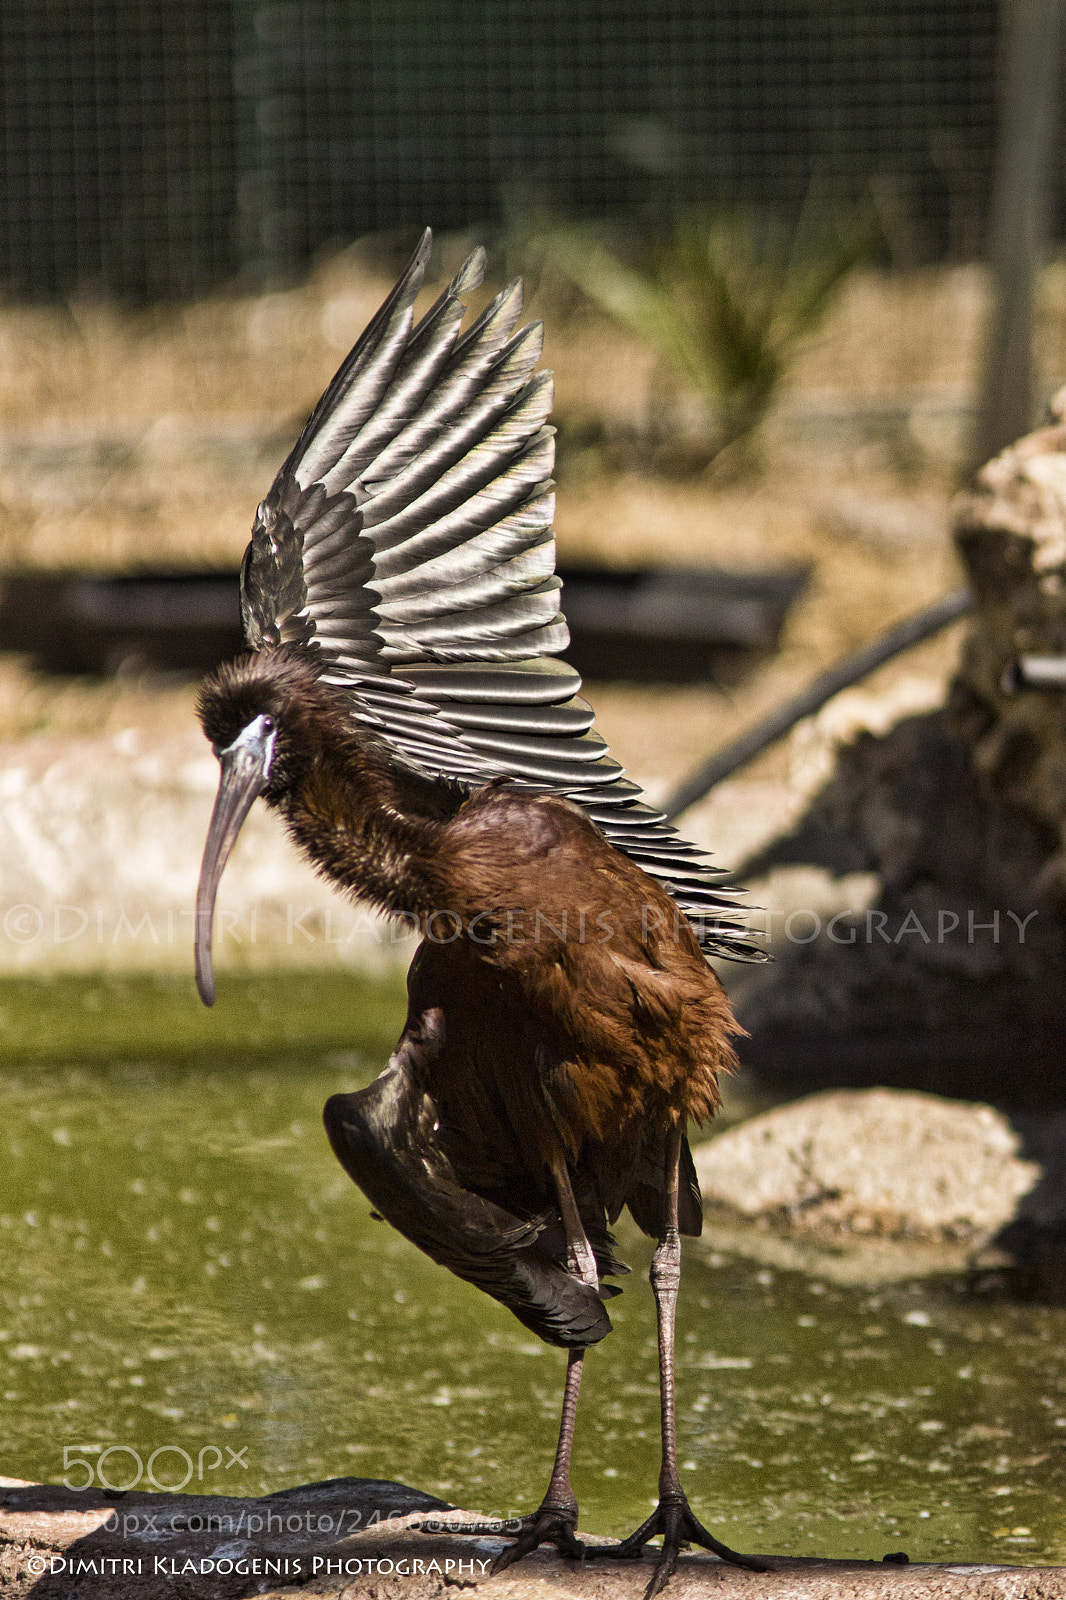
{"x": 268, "y": 724}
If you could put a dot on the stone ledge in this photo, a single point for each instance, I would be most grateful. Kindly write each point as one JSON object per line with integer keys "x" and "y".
{"x": 56, "y": 1542}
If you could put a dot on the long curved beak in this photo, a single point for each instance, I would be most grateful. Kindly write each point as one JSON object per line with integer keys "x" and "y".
{"x": 245, "y": 770}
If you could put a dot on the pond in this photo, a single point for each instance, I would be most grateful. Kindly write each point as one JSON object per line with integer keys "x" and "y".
{"x": 192, "y": 1289}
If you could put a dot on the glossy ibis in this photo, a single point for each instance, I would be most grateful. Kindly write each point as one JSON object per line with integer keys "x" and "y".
{"x": 402, "y": 707}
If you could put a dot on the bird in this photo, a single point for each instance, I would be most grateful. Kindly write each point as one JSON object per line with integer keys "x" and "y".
{"x": 403, "y": 707}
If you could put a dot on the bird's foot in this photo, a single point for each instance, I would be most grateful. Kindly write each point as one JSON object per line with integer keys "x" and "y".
{"x": 552, "y": 1524}
{"x": 675, "y": 1520}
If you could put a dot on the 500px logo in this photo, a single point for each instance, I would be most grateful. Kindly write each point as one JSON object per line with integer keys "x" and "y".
{"x": 164, "y": 1459}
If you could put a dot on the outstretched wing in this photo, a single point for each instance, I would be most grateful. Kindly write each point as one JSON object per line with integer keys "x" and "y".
{"x": 407, "y": 542}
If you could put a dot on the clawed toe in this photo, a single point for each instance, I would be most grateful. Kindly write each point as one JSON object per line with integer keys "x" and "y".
{"x": 678, "y": 1525}
{"x": 549, "y": 1526}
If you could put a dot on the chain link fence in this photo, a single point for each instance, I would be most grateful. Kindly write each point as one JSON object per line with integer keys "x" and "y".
{"x": 154, "y": 149}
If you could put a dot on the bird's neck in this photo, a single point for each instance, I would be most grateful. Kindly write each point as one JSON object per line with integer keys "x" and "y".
{"x": 350, "y": 814}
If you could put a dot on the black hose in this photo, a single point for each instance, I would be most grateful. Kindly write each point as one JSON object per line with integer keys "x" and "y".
{"x": 767, "y": 732}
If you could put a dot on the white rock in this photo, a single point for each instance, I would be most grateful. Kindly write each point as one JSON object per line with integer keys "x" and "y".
{"x": 100, "y": 846}
{"x": 878, "y": 1161}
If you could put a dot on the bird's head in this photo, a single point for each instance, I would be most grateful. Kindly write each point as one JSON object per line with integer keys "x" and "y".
{"x": 258, "y": 713}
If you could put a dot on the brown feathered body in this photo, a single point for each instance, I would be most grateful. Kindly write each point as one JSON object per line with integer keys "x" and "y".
{"x": 572, "y": 1012}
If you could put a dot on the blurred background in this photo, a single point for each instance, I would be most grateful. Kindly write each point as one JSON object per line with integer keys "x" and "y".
{"x": 801, "y": 268}
{"x": 158, "y": 152}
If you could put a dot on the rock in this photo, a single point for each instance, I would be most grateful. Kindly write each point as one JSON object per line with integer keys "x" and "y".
{"x": 954, "y": 969}
{"x": 816, "y": 742}
{"x": 875, "y": 1163}
{"x": 1010, "y": 530}
{"x": 353, "y": 1536}
{"x": 949, "y": 978}
{"x": 100, "y": 845}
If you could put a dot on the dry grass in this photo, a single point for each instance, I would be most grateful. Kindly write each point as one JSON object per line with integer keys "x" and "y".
{"x": 31, "y": 703}
{"x": 134, "y": 438}
{"x": 265, "y": 358}
{"x": 900, "y": 335}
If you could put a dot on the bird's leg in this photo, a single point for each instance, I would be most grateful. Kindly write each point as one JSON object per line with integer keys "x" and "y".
{"x": 673, "y": 1517}
{"x": 555, "y": 1521}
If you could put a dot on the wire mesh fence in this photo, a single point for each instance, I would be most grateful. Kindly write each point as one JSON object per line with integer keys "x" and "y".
{"x": 154, "y": 149}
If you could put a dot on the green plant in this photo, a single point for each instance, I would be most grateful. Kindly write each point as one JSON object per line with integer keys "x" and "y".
{"x": 724, "y": 295}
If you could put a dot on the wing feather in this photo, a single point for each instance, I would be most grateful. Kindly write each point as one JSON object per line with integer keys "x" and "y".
{"x": 407, "y": 544}
{"x": 507, "y": 391}
{"x": 527, "y": 528}
{"x": 493, "y": 479}
{"x": 361, "y": 380}
{"x": 533, "y": 565}
{"x": 413, "y": 382}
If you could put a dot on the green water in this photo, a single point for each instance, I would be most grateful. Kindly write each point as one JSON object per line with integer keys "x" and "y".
{"x": 185, "y": 1268}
